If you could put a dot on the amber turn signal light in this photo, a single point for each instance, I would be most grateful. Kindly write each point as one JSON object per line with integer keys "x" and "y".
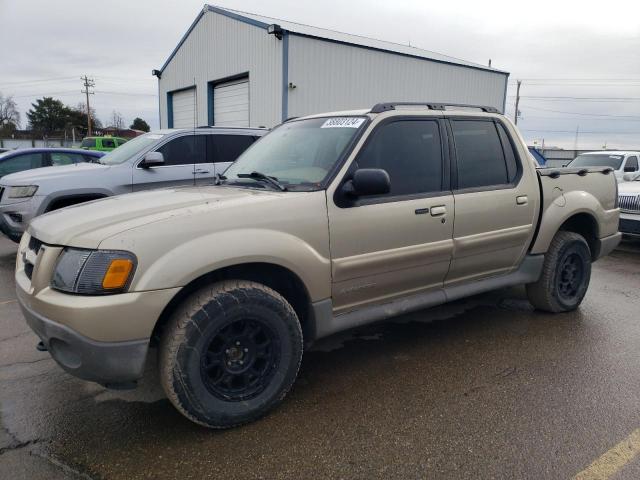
{"x": 117, "y": 274}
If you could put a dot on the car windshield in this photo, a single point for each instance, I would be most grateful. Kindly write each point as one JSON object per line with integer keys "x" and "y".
{"x": 299, "y": 153}
{"x": 130, "y": 149}
{"x": 599, "y": 160}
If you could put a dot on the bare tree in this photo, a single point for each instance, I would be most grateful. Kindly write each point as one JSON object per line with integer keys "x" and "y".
{"x": 117, "y": 121}
{"x": 9, "y": 114}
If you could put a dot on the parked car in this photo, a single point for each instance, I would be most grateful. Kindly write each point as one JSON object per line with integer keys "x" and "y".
{"x": 159, "y": 159}
{"x": 537, "y": 156}
{"x": 629, "y": 198}
{"x": 102, "y": 144}
{"x": 15, "y": 161}
{"x": 329, "y": 222}
{"x": 620, "y": 161}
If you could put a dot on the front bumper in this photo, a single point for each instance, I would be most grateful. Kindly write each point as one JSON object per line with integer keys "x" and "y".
{"x": 108, "y": 363}
{"x": 630, "y": 224}
{"x": 9, "y": 229}
{"x": 16, "y": 215}
{"x": 100, "y": 338}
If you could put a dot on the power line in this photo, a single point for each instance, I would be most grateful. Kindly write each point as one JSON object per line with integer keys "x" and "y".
{"x": 634, "y": 117}
{"x": 581, "y": 132}
{"x": 596, "y": 99}
{"x": 44, "y": 80}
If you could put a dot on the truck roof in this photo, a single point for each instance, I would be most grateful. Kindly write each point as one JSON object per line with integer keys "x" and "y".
{"x": 612, "y": 152}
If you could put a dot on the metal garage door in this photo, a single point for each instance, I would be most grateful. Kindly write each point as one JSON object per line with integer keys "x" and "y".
{"x": 231, "y": 104}
{"x": 184, "y": 105}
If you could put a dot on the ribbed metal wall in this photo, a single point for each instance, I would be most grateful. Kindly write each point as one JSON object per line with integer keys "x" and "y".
{"x": 332, "y": 76}
{"x": 217, "y": 48}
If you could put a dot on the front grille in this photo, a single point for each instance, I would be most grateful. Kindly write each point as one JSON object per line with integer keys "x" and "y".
{"x": 629, "y": 226}
{"x": 34, "y": 245}
{"x": 34, "y": 249}
{"x": 629, "y": 203}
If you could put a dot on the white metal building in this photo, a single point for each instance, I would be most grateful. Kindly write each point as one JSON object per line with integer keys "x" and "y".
{"x": 241, "y": 69}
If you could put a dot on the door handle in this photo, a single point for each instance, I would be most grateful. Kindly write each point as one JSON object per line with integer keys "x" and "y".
{"x": 438, "y": 211}
{"x": 522, "y": 200}
{"x": 201, "y": 172}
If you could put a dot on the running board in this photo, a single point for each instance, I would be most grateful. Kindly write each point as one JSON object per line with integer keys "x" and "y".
{"x": 327, "y": 324}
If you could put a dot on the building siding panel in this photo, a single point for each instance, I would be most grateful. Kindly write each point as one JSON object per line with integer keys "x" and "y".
{"x": 333, "y": 76}
{"x": 218, "y": 48}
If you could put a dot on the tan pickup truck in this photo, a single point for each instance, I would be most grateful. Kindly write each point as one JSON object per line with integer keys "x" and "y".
{"x": 328, "y": 222}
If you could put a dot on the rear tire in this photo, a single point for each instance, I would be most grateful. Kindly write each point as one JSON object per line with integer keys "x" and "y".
{"x": 565, "y": 274}
{"x": 230, "y": 353}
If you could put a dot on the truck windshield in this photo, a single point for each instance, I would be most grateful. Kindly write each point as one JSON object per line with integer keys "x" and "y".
{"x": 299, "y": 153}
{"x": 130, "y": 149}
{"x": 599, "y": 160}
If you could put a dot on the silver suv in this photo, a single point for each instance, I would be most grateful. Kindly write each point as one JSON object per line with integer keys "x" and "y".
{"x": 158, "y": 159}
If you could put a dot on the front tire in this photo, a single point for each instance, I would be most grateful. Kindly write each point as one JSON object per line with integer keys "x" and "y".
{"x": 565, "y": 275}
{"x": 230, "y": 353}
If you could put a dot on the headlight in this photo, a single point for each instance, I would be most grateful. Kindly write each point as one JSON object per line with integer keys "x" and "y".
{"x": 22, "y": 191}
{"x": 93, "y": 272}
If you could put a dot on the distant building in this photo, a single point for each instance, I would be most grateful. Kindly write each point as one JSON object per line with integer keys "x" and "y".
{"x": 241, "y": 69}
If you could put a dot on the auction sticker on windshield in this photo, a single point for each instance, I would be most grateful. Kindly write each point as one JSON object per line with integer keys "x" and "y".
{"x": 343, "y": 122}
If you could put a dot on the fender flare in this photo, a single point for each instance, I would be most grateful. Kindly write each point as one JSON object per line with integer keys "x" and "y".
{"x": 78, "y": 192}
{"x": 562, "y": 208}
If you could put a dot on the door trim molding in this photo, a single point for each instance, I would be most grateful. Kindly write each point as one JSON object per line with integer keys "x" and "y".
{"x": 326, "y": 323}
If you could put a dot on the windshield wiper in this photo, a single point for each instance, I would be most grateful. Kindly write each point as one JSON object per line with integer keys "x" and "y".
{"x": 273, "y": 181}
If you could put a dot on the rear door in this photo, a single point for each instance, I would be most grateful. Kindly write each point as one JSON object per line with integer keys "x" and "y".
{"x": 181, "y": 154}
{"x": 401, "y": 242}
{"x": 495, "y": 204}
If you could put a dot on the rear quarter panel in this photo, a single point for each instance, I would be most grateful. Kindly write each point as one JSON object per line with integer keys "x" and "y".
{"x": 571, "y": 194}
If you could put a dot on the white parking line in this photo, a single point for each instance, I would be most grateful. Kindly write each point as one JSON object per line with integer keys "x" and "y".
{"x": 612, "y": 461}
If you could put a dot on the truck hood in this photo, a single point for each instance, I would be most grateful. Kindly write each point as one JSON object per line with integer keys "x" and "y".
{"x": 51, "y": 174}
{"x": 629, "y": 188}
{"x": 87, "y": 224}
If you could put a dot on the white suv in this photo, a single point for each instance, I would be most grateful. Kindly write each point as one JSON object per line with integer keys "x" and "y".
{"x": 621, "y": 161}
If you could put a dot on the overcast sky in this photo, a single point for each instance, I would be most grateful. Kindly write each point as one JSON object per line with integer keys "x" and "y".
{"x": 586, "y": 50}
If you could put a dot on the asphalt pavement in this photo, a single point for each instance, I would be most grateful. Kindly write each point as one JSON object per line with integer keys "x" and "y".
{"x": 482, "y": 388}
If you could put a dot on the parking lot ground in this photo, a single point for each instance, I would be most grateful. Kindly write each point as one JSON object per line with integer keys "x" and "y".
{"x": 482, "y": 388}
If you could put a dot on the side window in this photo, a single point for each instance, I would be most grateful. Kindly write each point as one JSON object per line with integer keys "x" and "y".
{"x": 632, "y": 163}
{"x": 227, "y": 148}
{"x": 121, "y": 141}
{"x": 480, "y": 159}
{"x": 64, "y": 158}
{"x": 108, "y": 143}
{"x": 88, "y": 143}
{"x": 185, "y": 150}
{"x": 410, "y": 152}
{"x": 509, "y": 153}
{"x": 21, "y": 162}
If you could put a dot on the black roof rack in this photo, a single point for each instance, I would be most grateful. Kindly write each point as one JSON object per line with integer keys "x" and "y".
{"x": 385, "y": 107}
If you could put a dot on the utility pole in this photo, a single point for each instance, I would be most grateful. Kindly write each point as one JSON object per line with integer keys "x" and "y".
{"x": 517, "y": 102}
{"x": 575, "y": 143}
{"x": 88, "y": 83}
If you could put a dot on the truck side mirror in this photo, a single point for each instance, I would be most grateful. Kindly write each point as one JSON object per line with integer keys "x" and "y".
{"x": 368, "y": 181}
{"x": 152, "y": 159}
{"x": 629, "y": 177}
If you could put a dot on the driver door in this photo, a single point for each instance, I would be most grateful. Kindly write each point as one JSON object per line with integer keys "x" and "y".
{"x": 401, "y": 242}
{"x": 181, "y": 155}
